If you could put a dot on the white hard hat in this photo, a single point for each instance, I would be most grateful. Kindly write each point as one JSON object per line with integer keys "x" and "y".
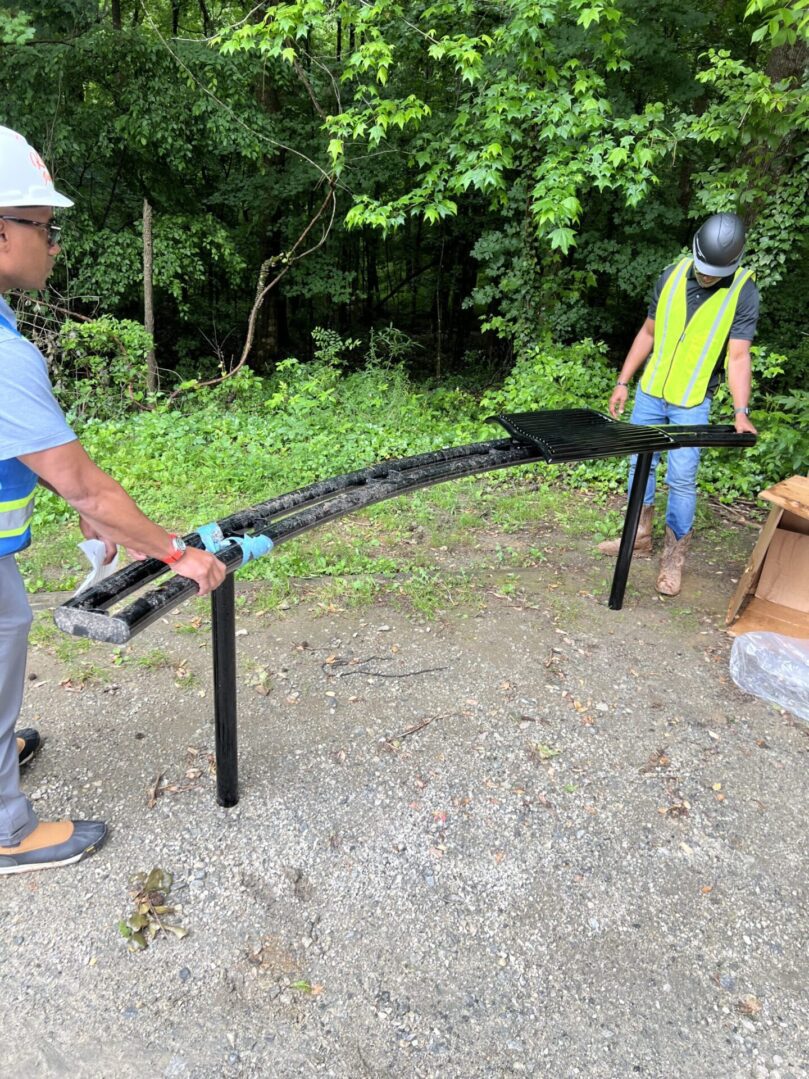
{"x": 24, "y": 177}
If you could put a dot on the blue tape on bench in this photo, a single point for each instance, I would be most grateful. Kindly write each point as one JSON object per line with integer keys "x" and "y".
{"x": 253, "y": 546}
{"x": 212, "y": 537}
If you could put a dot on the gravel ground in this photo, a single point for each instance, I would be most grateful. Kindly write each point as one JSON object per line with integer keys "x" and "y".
{"x": 531, "y": 837}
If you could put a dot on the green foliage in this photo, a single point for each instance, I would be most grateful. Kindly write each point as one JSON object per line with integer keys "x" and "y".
{"x": 187, "y": 248}
{"x": 788, "y": 441}
{"x": 15, "y": 28}
{"x": 782, "y": 448}
{"x": 524, "y": 167}
{"x": 99, "y": 369}
{"x": 251, "y": 438}
{"x": 554, "y": 376}
{"x": 784, "y": 24}
{"x": 508, "y": 283}
{"x": 139, "y": 118}
{"x": 511, "y": 100}
{"x": 757, "y": 125}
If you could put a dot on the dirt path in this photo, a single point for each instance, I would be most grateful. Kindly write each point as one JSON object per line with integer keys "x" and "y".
{"x": 529, "y": 837}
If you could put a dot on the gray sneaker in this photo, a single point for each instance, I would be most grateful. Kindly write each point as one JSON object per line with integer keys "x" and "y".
{"x": 88, "y": 835}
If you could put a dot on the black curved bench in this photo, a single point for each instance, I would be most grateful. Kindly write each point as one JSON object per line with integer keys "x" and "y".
{"x": 550, "y": 436}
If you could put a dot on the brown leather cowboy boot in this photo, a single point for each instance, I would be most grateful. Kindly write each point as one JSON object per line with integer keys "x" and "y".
{"x": 643, "y": 540}
{"x": 671, "y": 563}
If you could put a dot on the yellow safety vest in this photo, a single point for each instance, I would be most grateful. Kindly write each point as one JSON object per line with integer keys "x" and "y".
{"x": 686, "y": 350}
{"x": 17, "y": 488}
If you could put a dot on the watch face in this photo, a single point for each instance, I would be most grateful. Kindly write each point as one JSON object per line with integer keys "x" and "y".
{"x": 179, "y": 545}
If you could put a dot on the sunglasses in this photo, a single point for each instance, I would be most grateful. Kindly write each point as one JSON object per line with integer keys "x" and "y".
{"x": 53, "y": 232}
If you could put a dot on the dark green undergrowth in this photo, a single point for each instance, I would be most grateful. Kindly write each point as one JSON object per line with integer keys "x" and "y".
{"x": 230, "y": 446}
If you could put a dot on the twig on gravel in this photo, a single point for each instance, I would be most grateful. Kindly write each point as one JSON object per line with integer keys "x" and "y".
{"x": 420, "y": 726}
{"x": 383, "y": 674}
{"x": 510, "y": 601}
{"x": 153, "y": 792}
{"x": 338, "y": 661}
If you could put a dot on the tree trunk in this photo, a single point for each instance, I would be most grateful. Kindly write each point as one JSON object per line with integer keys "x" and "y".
{"x": 116, "y": 14}
{"x": 207, "y": 24}
{"x": 789, "y": 62}
{"x": 148, "y": 294}
{"x": 439, "y": 342}
{"x": 371, "y": 275}
{"x": 272, "y": 331}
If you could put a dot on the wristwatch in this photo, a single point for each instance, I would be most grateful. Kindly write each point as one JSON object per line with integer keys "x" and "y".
{"x": 624, "y": 384}
{"x": 179, "y": 546}
{"x": 745, "y": 410}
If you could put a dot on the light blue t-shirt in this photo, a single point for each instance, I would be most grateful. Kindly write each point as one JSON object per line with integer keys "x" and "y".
{"x": 30, "y": 420}
{"x": 30, "y": 417}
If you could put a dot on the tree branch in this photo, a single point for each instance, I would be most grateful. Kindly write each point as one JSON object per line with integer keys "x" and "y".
{"x": 288, "y": 258}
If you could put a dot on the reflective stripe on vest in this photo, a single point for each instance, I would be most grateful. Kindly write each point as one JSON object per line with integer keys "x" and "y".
{"x": 14, "y": 516}
{"x": 677, "y": 275}
{"x": 686, "y": 350}
{"x": 17, "y": 487}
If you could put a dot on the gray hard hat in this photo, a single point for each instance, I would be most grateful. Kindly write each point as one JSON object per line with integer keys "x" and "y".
{"x": 718, "y": 245}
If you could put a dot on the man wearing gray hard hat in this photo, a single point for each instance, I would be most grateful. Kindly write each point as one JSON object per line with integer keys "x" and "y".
{"x": 37, "y": 446}
{"x": 702, "y": 318}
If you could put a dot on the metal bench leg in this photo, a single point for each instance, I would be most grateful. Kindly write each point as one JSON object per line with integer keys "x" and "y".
{"x": 223, "y": 616}
{"x": 631, "y": 521}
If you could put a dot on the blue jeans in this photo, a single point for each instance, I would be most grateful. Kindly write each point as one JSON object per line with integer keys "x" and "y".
{"x": 681, "y": 470}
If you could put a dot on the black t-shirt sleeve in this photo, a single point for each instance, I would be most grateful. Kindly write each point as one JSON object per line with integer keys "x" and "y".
{"x": 744, "y": 322}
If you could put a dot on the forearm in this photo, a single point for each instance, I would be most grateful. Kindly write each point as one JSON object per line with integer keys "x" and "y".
{"x": 99, "y": 499}
{"x": 638, "y": 354}
{"x": 113, "y": 514}
{"x": 635, "y": 358}
{"x": 740, "y": 380}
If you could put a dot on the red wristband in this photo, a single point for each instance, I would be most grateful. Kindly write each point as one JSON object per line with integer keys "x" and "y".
{"x": 178, "y": 552}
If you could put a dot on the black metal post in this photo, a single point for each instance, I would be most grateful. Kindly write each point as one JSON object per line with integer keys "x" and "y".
{"x": 223, "y": 617}
{"x": 643, "y": 465}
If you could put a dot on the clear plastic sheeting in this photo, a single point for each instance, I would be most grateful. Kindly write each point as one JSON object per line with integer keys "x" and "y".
{"x": 773, "y": 667}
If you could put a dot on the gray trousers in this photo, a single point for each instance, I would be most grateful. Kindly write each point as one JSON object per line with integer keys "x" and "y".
{"x": 17, "y": 818}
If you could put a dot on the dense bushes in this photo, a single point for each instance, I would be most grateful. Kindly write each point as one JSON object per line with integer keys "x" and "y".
{"x": 251, "y": 436}
{"x": 238, "y": 443}
{"x": 98, "y": 368}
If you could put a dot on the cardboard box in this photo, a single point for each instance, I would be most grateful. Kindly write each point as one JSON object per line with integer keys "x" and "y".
{"x": 773, "y": 591}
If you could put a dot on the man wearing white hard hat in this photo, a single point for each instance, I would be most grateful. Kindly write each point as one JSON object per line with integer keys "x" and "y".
{"x": 38, "y": 446}
{"x": 701, "y": 320}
